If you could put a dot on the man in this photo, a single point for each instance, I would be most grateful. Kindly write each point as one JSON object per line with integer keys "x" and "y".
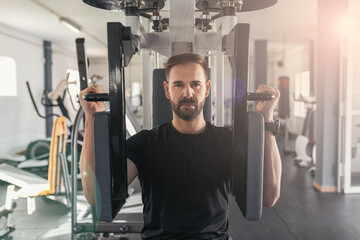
{"x": 184, "y": 165}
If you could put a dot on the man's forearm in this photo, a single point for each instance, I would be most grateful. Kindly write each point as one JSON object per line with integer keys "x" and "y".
{"x": 87, "y": 162}
{"x": 272, "y": 171}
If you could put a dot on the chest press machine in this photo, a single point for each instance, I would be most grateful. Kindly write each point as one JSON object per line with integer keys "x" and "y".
{"x": 124, "y": 42}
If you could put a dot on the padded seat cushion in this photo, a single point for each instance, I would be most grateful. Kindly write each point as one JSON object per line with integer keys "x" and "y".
{"x": 19, "y": 177}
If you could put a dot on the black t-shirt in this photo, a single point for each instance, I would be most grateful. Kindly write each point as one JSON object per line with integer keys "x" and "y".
{"x": 184, "y": 180}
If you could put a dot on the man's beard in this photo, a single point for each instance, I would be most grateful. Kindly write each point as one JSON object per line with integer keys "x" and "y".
{"x": 187, "y": 114}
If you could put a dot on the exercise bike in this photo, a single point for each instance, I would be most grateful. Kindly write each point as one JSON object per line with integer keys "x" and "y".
{"x": 305, "y": 147}
{"x": 39, "y": 149}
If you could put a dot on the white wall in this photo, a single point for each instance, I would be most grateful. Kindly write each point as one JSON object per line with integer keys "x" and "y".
{"x": 19, "y": 123}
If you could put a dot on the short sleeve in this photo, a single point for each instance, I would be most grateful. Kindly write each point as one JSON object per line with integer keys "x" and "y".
{"x": 135, "y": 149}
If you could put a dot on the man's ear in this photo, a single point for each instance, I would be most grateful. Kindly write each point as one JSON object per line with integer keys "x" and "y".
{"x": 166, "y": 88}
{"x": 208, "y": 85}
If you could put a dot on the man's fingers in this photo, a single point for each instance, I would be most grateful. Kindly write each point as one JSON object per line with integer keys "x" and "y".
{"x": 95, "y": 89}
{"x": 98, "y": 88}
{"x": 92, "y": 89}
{"x": 267, "y": 89}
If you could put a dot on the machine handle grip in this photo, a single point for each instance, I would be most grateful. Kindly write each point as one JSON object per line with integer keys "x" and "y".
{"x": 260, "y": 96}
{"x": 96, "y": 97}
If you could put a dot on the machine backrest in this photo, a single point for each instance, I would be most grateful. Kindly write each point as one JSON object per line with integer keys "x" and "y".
{"x": 57, "y": 147}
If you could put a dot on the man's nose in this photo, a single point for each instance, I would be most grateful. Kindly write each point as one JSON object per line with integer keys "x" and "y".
{"x": 188, "y": 92}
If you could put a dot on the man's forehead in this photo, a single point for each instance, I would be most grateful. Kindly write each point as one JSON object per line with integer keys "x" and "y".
{"x": 185, "y": 71}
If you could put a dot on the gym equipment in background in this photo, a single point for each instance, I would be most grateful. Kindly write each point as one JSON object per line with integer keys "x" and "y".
{"x": 35, "y": 157}
{"x": 305, "y": 144}
{"x": 32, "y": 185}
{"x": 57, "y": 95}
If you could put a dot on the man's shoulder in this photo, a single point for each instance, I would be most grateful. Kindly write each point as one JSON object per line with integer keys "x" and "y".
{"x": 162, "y": 127}
{"x": 152, "y": 132}
{"x": 222, "y": 130}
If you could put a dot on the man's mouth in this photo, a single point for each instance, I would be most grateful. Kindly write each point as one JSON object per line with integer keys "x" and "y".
{"x": 188, "y": 105}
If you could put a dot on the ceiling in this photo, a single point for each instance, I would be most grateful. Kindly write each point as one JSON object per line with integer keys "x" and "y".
{"x": 289, "y": 21}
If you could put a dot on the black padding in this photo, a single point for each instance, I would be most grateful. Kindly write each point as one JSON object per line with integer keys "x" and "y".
{"x": 255, "y": 166}
{"x": 162, "y": 112}
{"x": 161, "y": 105}
{"x": 106, "y": 208}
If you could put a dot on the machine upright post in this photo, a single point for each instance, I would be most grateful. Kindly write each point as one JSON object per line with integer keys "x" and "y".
{"x": 147, "y": 85}
{"x": 82, "y": 67}
{"x": 220, "y": 97}
{"x": 48, "y": 84}
{"x": 117, "y": 113}
{"x": 248, "y": 128}
{"x": 147, "y": 90}
{"x": 240, "y": 69}
{"x": 182, "y": 33}
{"x": 237, "y": 48}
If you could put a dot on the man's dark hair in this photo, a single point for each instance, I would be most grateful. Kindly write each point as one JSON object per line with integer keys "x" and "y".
{"x": 183, "y": 59}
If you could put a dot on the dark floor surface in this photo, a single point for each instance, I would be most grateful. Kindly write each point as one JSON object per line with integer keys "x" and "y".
{"x": 301, "y": 213}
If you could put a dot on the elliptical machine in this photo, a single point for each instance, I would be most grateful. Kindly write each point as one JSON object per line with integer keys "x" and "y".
{"x": 305, "y": 147}
{"x": 37, "y": 152}
{"x": 35, "y": 157}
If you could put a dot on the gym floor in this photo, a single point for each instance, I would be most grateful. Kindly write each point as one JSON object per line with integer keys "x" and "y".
{"x": 300, "y": 213}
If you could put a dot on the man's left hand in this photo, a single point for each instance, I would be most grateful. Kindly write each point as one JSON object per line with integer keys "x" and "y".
{"x": 266, "y": 108}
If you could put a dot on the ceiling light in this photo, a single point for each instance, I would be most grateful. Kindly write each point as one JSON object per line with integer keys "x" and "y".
{"x": 70, "y": 25}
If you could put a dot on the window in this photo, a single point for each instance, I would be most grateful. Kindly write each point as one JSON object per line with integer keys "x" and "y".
{"x": 7, "y": 76}
{"x": 302, "y": 88}
{"x": 73, "y": 86}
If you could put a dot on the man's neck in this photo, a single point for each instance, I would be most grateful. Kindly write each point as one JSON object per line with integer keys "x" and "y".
{"x": 194, "y": 126}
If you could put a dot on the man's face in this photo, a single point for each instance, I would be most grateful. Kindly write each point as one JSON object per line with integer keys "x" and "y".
{"x": 187, "y": 88}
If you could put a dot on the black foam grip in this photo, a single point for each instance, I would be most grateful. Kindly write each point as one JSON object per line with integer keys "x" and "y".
{"x": 106, "y": 206}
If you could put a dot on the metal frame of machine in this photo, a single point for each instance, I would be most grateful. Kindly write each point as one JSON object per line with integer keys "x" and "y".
{"x": 124, "y": 42}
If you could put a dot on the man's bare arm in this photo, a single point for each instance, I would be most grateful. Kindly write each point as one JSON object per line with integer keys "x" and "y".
{"x": 87, "y": 152}
{"x": 87, "y": 163}
{"x": 272, "y": 171}
{"x": 272, "y": 160}
{"x": 132, "y": 171}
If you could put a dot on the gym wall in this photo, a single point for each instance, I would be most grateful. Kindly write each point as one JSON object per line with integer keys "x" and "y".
{"x": 19, "y": 122}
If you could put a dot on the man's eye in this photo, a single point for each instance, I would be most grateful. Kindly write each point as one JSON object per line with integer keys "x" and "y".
{"x": 178, "y": 85}
{"x": 196, "y": 84}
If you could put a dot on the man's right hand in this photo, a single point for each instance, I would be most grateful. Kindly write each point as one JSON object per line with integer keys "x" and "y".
{"x": 90, "y": 108}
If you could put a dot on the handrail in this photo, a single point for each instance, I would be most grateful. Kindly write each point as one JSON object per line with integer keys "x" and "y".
{"x": 36, "y": 109}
